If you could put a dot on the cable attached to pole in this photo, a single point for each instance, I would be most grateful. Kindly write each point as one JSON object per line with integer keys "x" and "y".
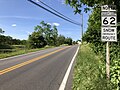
{"x": 54, "y": 13}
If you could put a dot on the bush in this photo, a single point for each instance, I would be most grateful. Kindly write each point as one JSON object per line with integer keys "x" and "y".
{"x": 5, "y": 47}
{"x": 87, "y": 72}
{"x": 18, "y": 46}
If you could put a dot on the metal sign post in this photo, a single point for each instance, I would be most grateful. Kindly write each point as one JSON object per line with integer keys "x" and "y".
{"x": 108, "y": 30}
{"x": 107, "y": 60}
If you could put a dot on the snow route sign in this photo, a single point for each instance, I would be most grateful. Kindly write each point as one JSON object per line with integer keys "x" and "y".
{"x": 108, "y": 23}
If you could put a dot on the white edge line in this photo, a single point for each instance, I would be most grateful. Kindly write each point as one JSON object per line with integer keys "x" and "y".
{"x": 63, "y": 84}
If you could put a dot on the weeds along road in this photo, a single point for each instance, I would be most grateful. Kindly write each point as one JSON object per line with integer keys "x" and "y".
{"x": 41, "y": 70}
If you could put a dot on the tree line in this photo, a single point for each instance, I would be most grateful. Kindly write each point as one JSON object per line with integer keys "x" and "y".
{"x": 7, "y": 41}
{"x": 43, "y": 34}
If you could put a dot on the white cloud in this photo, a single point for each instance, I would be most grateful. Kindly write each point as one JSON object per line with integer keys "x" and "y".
{"x": 56, "y": 24}
{"x": 49, "y": 23}
{"x": 14, "y": 25}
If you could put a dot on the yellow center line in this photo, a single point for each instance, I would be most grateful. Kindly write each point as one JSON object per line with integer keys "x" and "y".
{"x": 28, "y": 62}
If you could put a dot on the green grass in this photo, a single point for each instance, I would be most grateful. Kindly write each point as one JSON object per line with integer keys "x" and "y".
{"x": 87, "y": 71}
{"x": 19, "y": 52}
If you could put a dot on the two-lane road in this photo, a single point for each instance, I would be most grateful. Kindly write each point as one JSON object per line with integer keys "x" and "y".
{"x": 42, "y": 70}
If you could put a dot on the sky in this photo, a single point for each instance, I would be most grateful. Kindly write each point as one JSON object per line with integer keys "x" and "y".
{"x": 19, "y": 17}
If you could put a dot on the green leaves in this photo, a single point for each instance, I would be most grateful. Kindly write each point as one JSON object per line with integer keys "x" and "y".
{"x": 77, "y": 4}
{"x": 115, "y": 73}
{"x": 68, "y": 41}
{"x": 45, "y": 34}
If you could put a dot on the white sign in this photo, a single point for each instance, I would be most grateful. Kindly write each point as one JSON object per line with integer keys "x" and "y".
{"x": 108, "y": 23}
{"x": 109, "y": 34}
{"x": 108, "y": 8}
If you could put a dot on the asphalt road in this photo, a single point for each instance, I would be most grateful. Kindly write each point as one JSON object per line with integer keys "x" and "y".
{"x": 42, "y": 70}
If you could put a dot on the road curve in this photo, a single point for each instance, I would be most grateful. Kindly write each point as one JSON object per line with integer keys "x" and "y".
{"x": 42, "y": 70}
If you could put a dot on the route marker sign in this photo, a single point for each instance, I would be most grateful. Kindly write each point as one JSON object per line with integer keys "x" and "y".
{"x": 108, "y": 30}
{"x": 109, "y": 23}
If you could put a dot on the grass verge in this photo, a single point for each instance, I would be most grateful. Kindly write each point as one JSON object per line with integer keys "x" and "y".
{"x": 87, "y": 71}
{"x": 19, "y": 52}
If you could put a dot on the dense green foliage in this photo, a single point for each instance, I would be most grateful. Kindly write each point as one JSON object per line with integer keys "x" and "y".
{"x": 36, "y": 40}
{"x": 93, "y": 35}
{"x": 77, "y": 4}
{"x": 10, "y": 41}
{"x": 60, "y": 40}
{"x": 45, "y": 34}
{"x": 6, "y": 42}
{"x": 68, "y": 41}
{"x": 87, "y": 72}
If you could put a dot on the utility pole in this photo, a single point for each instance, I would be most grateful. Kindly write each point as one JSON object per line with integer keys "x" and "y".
{"x": 82, "y": 27}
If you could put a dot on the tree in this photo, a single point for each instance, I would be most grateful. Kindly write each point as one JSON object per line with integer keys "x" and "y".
{"x": 44, "y": 34}
{"x": 23, "y": 42}
{"x": 60, "y": 40}
{"x": 36, "y": 40}
{"x": 46, "y": 30}
{"x": 68, "y": 41}
{"x": 54, "y": 35}
{"x": 74, "y": 42}
{"x": 77, "y": 4}
{"x": 49, "y": 33}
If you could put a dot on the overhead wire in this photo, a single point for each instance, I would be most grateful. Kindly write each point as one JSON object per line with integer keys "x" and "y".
{"x": 55, "y": 13}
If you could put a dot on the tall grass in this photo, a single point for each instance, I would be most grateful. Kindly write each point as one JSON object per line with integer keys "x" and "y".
{"x": 87, "y": 72}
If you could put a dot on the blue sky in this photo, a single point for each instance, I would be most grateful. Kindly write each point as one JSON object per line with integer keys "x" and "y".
{"x": 18, "y": 18}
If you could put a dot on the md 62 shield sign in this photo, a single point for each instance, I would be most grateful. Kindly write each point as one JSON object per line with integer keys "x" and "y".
{"x": 108, "y": 23}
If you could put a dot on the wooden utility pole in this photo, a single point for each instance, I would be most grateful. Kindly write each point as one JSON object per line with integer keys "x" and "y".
{"x": 107, "y": 60}
{"x": 82, "y": 27}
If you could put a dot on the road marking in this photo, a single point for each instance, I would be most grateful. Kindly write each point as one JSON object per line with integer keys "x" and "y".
{"x": 63, "y": 84}
{"x": 28, "y": 62}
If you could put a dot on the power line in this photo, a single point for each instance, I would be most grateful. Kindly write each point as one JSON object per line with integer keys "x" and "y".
{"x": 56, "y": 11}
{"x": 53, "y": 13}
